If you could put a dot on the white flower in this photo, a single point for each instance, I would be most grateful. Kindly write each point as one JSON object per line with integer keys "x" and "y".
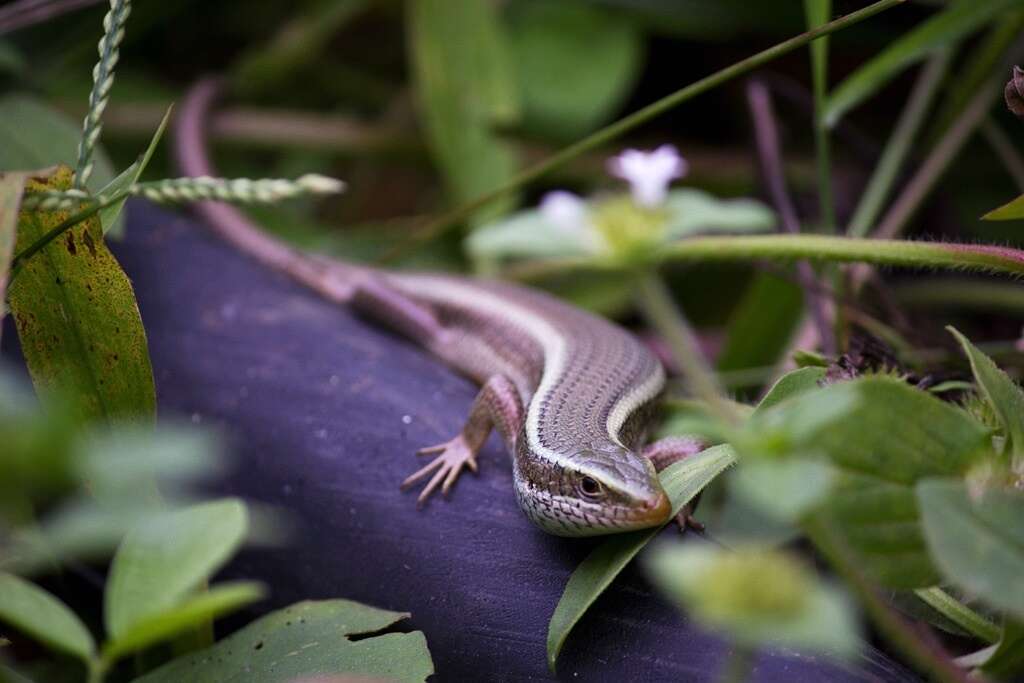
{"x": 570, "y": 215}
{"x": 648, "y": 173}
{"x": 565, "y": 211}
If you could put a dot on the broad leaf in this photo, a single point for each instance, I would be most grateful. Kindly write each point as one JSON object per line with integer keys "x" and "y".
{"x": 881, "y": 436}
{"x": 1002, "y": 393}
{"x": 681, "y": 481}
{"x": 34, "y": 135}
{"x": 110, "y": 215}
{"x": 162, "y": 561}
{"x": 692, "y": 211}
{"x": 42, "y": 616}
{"x": 757, "y": 597}
{"x": 977, "y": 544}
{"x": 945, "y": 28}
{"x": 308, "y": 640}
{"x": 11, "y": 185}
{"x": 465, "y": 86}
{"x": 790, "y": 385}
{"x": 204, "y": 606}
{"x": 565, "y": 96}
{"x": 762, "y": 325}
{"x": 77, "y": 318}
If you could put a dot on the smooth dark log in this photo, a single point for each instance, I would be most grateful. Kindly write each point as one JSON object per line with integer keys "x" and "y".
{"x": 324, "y": 413}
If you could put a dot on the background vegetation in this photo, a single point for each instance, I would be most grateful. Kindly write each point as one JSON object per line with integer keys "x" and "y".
{"x": 893, "y": 447}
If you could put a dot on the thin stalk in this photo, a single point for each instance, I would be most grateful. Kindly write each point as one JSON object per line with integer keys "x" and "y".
{"x": 817, "y": 12}
{"x": 656, "y": 304}
{"x": 930, "y": 660}
{"x": 960, "y": 614}
{"x": 964, "y": 294}
{"x": 1005, "y": 149}
{"x": 899, "y": 143}
{"x": 769, "y": 152}
{"x": 628, "y": 123}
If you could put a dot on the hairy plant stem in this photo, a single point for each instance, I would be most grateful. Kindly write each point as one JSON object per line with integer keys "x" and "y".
{"x": 628, "y": 123}
{"x": 930, "y": 660}
{"x": 656, "y": 304}
{"x": 899, "y": 143}
{"x": 960, "y": 614}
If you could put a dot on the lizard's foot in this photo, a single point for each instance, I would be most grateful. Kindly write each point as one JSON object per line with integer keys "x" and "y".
{"x": 687, "y": 521}
{"x": 454, "y": 455}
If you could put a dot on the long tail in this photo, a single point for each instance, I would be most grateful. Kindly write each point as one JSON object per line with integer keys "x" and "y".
{"x": 332, "y": 279}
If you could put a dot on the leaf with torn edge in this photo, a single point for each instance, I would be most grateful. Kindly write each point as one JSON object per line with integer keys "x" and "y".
{"x": 77, "y": 318}
{"x": 308, "y": 639}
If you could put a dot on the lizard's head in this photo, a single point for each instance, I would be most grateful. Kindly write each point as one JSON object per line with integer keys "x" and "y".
{"x": 595, "y": 491}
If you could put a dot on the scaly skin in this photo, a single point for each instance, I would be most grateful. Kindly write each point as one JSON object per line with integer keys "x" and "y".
{"x": 571, "y": 393}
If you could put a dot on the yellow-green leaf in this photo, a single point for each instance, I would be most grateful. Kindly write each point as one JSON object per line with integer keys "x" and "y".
{"x": 163, "y": 560}
{"x": 77, "y": 319}
{"x": 1010, "y": 211}
{"x": 39, "y": 614}
{"x": 207, "y": 605}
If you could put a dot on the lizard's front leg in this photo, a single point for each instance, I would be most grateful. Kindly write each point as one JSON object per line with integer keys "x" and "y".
{"x": 497, "y": 405}
{"x": 667, "y": 451}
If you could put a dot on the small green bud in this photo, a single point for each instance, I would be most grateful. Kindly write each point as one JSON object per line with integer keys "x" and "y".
{"x": 628, "y": 229}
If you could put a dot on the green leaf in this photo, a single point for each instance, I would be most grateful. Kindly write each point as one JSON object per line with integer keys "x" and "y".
{"x": 757, "y": 597}
{"x": 522, "y": 235}
{"x": 792, "y": 384}
{"x": 761, "y": 326}
{"x": 308, "y": 639}
{"x": 34, "y": 135}
{"x": 881, "y": 436}
{"x": 207, "y": 605}
{"x": 1007, "y": 212}
{"x": 1002, "y": 393}
{"x": 77, "y": 318}
{"x": 109, "y": 216}
{"x": 11, "y": 185}
{"x": 42, "y": 616}
{"x": 681, "y": 481}
{"x": 565, "y": 96}
{"x": 692, "y": 211}
{"x": 945, "y": 28}
{"x": 1007, "y": 660}
{"x": 162, "y": 561}
{"x": 465, "y": 87}
{"x": 786, "y": 489}
{"x": 978, "y": 544}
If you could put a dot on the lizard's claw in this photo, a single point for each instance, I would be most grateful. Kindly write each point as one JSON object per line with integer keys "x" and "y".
{"x": 454, "y": 455}
{"x": 686, "y": 520}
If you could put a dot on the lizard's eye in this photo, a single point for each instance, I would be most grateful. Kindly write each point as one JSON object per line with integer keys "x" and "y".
{"x": 590, "y": 487}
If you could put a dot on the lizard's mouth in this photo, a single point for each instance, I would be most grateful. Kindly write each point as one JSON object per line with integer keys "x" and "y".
{"x": 655, "y": 511}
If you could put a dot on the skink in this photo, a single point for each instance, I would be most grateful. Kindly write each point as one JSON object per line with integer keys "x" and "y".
{"x": 571, "y": 394}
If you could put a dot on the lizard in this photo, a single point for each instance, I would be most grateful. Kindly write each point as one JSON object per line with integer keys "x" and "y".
{"x": 572, "y": 394}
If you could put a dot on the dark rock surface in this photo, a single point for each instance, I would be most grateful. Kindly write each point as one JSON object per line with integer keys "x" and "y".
{"x": 324, "y": 413}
